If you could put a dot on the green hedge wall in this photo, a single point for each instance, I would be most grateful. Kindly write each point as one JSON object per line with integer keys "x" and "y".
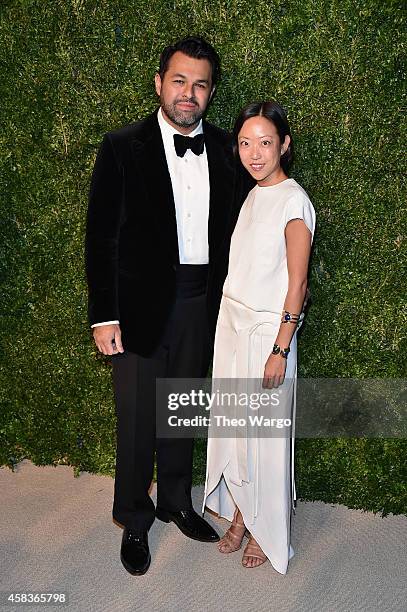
{"x": 73, "y": 69}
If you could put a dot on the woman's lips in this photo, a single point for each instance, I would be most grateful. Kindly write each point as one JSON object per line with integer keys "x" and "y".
{"x": 257, "y": 167}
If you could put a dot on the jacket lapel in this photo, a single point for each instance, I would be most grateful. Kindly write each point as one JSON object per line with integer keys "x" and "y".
{"x": 148, "y": 150}
{"x": 221, "y": 180}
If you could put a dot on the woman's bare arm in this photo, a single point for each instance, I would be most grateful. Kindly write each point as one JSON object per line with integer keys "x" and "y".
{"x": 298, "y": 241}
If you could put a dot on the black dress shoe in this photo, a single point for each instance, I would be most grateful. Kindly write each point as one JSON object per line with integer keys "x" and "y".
{"x": 134, "y": 553}
{"x": 190, "y": 523}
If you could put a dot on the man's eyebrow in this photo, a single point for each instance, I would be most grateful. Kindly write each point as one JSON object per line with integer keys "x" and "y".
{"x": 178, "y": 74}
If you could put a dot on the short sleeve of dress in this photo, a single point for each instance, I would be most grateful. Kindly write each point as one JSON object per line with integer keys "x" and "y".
{"x": 299, "y": 207}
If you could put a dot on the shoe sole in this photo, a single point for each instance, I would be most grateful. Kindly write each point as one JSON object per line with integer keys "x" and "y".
{"x": 135, "y": 572}
{"x": 165, "y": 518}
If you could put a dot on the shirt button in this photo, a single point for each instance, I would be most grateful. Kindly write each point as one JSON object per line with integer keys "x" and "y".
{"x": 185, "y": 160}
{"x": 189, "y": 240}
{"x": 188, "y": 187}
{"x": 189, "y": 215}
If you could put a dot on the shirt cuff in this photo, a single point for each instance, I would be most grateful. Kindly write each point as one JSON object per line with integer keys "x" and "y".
{"x": 105, "y": 323}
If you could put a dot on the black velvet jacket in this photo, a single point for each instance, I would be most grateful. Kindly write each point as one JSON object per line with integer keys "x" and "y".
{"x": 131, "y": 236}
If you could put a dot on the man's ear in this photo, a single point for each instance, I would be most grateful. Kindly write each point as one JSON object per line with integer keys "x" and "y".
{"x": 157, "y": 80}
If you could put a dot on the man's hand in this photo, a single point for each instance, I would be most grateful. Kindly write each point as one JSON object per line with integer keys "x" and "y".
{"x": 108, "y": 339}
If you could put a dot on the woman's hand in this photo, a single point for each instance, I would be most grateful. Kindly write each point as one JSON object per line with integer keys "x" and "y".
{"x": 274, "y": 371}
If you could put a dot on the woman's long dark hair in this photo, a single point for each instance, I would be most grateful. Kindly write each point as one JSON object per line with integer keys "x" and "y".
{"x": 272, "y": 111}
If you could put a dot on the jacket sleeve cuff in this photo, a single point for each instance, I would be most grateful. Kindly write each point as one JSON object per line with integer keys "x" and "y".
{"x": 105, "y": 323}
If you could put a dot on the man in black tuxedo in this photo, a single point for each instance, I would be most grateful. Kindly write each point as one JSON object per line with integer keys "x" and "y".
{"x": 160, "y": 215}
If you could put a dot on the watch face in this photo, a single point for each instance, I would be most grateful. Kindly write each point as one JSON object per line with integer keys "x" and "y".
{"x": 276, "y": 349}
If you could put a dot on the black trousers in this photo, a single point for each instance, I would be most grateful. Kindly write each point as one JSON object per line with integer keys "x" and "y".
{"x": 184, "y": 352}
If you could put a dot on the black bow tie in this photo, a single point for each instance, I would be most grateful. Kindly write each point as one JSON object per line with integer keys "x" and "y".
{"x": 182, "y": 143}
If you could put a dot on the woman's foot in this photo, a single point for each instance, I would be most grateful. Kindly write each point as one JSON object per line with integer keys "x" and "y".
{"x": 253, "y": 556}
{"x": 232, "y": 540}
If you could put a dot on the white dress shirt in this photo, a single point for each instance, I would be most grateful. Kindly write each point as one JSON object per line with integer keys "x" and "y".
{"x": 190, "y": 185}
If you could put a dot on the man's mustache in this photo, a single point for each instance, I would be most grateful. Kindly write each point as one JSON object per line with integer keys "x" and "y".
{"x": 188, "y": 100}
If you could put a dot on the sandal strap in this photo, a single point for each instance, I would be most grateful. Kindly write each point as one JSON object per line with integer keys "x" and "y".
{"x": 233, "y": 540}
{"x": 254, "y": 550}
{"x": 234, "y": 521}
{"x": 237, "y": 525}
{"x": 233, "y": 536}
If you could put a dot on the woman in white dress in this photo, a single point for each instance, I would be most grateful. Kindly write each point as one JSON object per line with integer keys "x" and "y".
{"x": 250, "y": 480}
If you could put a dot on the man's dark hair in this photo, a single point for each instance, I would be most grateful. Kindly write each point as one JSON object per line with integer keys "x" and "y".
{"x": 275, "y": 113}
{"x": 193, "y": 46}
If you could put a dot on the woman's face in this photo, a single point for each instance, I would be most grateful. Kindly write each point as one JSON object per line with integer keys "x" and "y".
{"x": 260, "y": 150}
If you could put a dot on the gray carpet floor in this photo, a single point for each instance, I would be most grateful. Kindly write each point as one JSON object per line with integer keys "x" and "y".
{"x": 57, "y": 535}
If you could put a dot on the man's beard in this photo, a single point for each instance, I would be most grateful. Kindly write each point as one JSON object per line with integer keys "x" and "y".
{"x": 179, "y": 117}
